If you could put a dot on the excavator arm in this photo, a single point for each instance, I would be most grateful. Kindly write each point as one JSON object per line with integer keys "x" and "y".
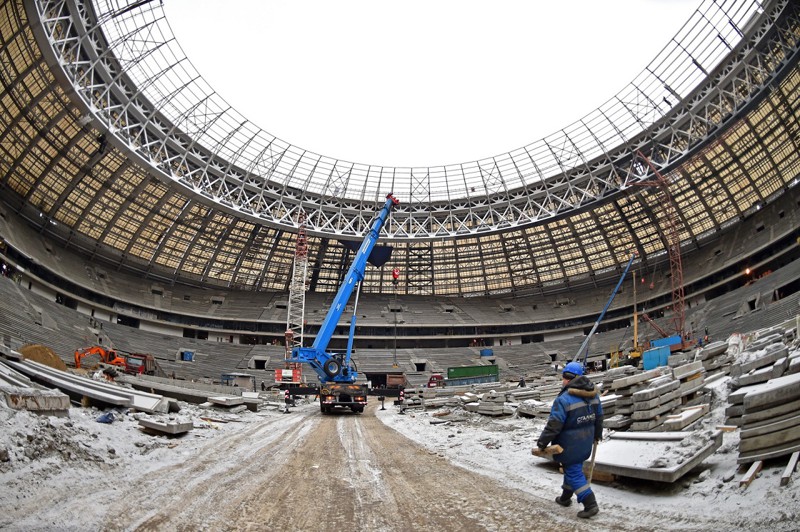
{"x": 107, "y": 356}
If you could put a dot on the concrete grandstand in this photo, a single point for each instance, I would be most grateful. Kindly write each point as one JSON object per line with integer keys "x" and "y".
{"x": 140, "y": 210}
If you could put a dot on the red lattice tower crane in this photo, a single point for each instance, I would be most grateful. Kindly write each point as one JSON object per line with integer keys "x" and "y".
{"x": 672, "y": 235}
{"x": 295, "y": 315}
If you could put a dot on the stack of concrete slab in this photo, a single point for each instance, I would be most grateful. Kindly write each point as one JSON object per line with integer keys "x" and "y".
{"x": 548, "y": 392}
{"x": 692, "y": 383}
{"x": 761, "y": 362}
{"x": 535, "y": 409}
{"x": 609, "y": 402}
{"x": 493, "y": 404}
{"x": 524, "y": 394}
{"x": 625, "y": 387}
{"x": 96, "y": 392}
{"x": 686, "y": 417}
{"x": 414, "y": 396}
{"x": 436, "y": 402}
{"x": 770, "y": 422}
{"x": 652, "y": 404}
{"x": 23, "y": 394}
{"x": 716, "y": 357}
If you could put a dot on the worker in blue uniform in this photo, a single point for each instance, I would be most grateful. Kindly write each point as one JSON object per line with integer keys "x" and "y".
{"x": 576, "y": 424}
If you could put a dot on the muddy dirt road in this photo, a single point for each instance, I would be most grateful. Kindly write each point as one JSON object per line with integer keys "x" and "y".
{"x": 326, "y": 473}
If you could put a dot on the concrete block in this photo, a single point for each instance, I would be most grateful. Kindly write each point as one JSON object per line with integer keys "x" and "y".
{"x": 641, "y": 415}
{"x": 617, "y": 422}
{"x": 646, "y": 425}
{"x": 769, "y": 358}
{"x": 780, "y": 390}
{"x": 661, "y": 388}
{"x": 685, "y": 418}
{"x": 656, "y": 401}
{"x": 756, "y": 377}
{"x": 779, "y": 367}
{"x": 691, "y": 386}
{"x": 167, "y": 427}
{"x": 676, "y": 360}
{"x": 226, "y": 400}
{"x": 686, "y": 370}
{"x": 635, "y": 379}
{"x": 48, "y": 402}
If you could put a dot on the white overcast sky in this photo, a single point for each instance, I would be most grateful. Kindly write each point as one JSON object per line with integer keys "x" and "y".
{"x": 420, "y": 82}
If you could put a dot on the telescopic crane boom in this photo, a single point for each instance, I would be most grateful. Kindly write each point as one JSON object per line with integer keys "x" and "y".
{"x": 336, "y": 367}
{"x": 584, "y": 348}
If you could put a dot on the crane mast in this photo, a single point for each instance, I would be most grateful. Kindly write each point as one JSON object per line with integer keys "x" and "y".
{"x": 295, "y": 314}
{"x": 672, "y": 236}
{"x": 297, "y": 290}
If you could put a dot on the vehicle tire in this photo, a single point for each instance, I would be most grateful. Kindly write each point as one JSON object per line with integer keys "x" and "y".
{"x": 332, "y": 367}
{"x": 324, "y": 409}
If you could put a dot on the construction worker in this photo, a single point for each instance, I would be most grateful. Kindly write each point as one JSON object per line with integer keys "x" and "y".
{"x": 287, "y": 399}
{"x": 576, "y": 424}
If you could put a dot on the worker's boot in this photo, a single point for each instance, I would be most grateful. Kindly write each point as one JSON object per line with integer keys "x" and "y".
{"x": 589, "y": 507}
{"x": 565, "y": 499}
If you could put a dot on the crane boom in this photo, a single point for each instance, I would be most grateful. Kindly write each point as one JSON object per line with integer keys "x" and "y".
{"x": 332, "y": 367}
{"x": 584, "y": 349}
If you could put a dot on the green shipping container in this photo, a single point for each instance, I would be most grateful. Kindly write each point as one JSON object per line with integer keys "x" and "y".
{"x": 462, "y": 372}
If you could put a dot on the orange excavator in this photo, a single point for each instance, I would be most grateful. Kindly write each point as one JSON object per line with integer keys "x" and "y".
{"x": 107, "y": 356}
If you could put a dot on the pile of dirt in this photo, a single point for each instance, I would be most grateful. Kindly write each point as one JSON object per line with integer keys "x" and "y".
{"x": 42, "y": 355}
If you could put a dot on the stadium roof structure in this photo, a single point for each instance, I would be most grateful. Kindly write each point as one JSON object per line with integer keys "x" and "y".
{"x": 114, "y": 145}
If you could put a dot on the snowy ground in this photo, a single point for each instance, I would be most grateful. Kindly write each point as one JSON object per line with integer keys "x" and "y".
{"x": 41, "y": 458}
{"x": 500, "y": 448}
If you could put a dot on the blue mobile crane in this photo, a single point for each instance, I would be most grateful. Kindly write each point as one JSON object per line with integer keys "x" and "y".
{"x": 337, "y": 373}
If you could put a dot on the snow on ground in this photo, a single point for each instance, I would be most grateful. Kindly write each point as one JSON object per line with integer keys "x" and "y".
{"x": 42, "y": 456}
{"x": 501, "y": 448}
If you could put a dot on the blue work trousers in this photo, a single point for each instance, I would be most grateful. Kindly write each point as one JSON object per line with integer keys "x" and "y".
{"x": 575, "y": 480}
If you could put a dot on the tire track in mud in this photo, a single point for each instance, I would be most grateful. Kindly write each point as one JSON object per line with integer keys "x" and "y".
{"x": 326, "y": 473}
{"x": 199, "y": 492}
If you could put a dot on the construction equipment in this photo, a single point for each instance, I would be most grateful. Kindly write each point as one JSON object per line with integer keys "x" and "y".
{"x": 465, "y": 376}
{"x": 583, "y": 351}
{"x": 107, "y": 356}
{"x": 671, "y": 235}
{"x": 140, "y": 364}
{"x": 289, "y": 376}
{"x": 336, "y": 371}
{"x": 292, "y": 372}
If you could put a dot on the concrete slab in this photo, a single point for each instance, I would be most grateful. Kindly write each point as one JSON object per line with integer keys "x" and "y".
{"x": 172, "y": 428}
{"x": 682, "y": 372}
{"x": 770, "y": 412}
{"x": 624, "y": 382}
{"x": 776, "y": 391}
{"x": 685, "y": 418}
{"x": 767, "y": 359}
{"x": 641, "y": 415}
{"x": 656, "y": 391}
{"x": 777, "y": 451}
{"x": 658, "y": 456}
{"x": 226, "y": 400}
{"x": 47, "y": 402}
{"x": 656, "y": 401}
{"x": 769, "y": 435}
{"x": 755, "y": 377}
